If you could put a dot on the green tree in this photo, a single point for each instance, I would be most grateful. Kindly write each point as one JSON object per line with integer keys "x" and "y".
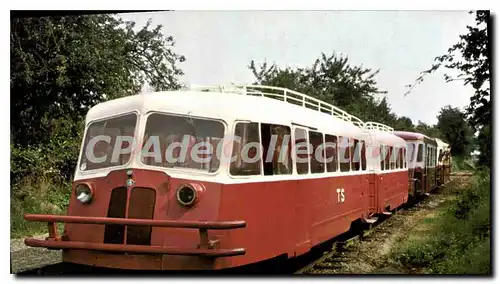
{"x": 333, "y": 80}
{"x": 455, "y": 130}
{"x": 429, "y": 130}
{"x": 404, "y": 123}
{"x": 471, "y": 57}
{"x": 61, "y": 66}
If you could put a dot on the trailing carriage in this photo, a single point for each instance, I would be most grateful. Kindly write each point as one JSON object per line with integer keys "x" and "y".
{"x": 422, "y": 160}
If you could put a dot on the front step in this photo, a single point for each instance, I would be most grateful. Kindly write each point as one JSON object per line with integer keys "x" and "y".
{"x": 370, "y": 220}
{"x": 387, "y": 213}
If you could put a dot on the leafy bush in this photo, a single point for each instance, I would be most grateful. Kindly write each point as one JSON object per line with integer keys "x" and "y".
{"x": 41, "y": 176}
{"x": 461, "y": 164}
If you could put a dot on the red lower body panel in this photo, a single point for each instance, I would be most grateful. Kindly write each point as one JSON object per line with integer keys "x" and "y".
{"x": 278, "y": 217}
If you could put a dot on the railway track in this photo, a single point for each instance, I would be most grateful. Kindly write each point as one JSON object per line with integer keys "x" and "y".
{"x": 333, "y": 260}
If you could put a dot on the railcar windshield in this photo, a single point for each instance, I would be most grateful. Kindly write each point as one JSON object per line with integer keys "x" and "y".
{"x": 108, "y": 142}
{"x": 174, "y": 141}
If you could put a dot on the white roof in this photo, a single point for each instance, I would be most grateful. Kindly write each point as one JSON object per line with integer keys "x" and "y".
{"x": 226, "y": 106}
{"x": 387, "y": 138}
{"x": 441, "y": 144}
{"x": 383, "y": 134}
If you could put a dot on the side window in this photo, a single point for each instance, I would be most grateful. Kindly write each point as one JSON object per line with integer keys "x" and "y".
{"x": 393, "y": 158}
{"x": 277, "y": 160}
{"x": 382, "y": 157}
{"x": 411, "y": 152}
{"x": 317, "y": 158}
{"x": 396, "y": 156}
{"x": 404, "y": 158}
{"x": 387, "y": 156}
{"x": 331, "y": 153}
{"x": 363, "y": 155}
{"x": 431, "y": 160}
{"x": 427, "y": 156}
{"x": 356, "y": 155}
{"x": 401, "y": 158}
{"x": 420, "y": 153}
{"x": 344, "y": 154}
{"x": 430, "y": 156}
{"x": 246, "y": 150}
{"x": 301, "y": 150}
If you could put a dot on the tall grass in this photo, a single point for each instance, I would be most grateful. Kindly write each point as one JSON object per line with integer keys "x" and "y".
{"x": 459, "y": 240}
{"x": 36, "y": 195}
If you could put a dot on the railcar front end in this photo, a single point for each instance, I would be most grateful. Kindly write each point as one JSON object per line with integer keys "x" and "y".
{"x": 144, "y": 207}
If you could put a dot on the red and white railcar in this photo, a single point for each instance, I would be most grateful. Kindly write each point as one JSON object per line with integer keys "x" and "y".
{"x": 390, "y": 182}
{"x": 422, "y": 160}
{"x": 136, "y": 204}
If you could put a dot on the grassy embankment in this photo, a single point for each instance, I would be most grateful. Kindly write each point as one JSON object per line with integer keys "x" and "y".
{"x": 455, "y": 240}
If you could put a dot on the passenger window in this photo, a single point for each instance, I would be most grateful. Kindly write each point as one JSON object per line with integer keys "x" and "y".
{"x": 404, "y": 158}
{"x": 246, "y": 156}
{"x": 396, "y": 157}
{"x": 345, "y": 156}
{"x": 355, "y": 154}
{"x": 277, "y": 160}
{"x": 432, "y": 159}
{"x": 363, "y": 155}
{"x": 427, "y": 156}
{"x": 401, "y": 158}
{"x": 318, "y": 153}
{"x": 387, "y": 155}
{"x": 392, "y": 157}
{"x": 420, "y": 153}
{"x": 382, "y": 157}
{"x": 301, "y": 150}
{"x": 331, "y": 153}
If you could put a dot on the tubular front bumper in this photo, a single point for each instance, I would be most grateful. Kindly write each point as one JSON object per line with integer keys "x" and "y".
{"x": 205, "y": 247}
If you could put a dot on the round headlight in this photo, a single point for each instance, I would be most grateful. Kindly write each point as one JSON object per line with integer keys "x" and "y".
{"x": 186, "y": 195}
{"x": 83, "y": 193}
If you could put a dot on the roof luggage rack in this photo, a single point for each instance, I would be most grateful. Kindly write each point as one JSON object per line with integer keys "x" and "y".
{"x": 370, "y": 125}
{"x": 286, "y": 95}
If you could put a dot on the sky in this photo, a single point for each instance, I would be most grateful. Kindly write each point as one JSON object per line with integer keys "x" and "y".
{"x": 219, "y": 45}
